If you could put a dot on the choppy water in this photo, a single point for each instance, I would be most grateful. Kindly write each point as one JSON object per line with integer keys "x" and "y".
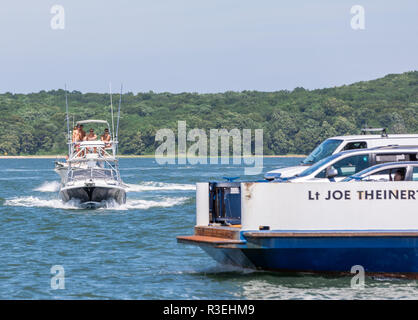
{"x": 130, "y": 251}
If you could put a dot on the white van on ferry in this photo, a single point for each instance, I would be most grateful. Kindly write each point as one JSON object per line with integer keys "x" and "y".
{"x": 347, "y": 163}
{"x": 337, "y": 144}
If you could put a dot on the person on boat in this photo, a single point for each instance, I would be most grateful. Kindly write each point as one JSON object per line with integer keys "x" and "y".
{"x": 82, "y": 132}
{"x": 77, "y": 138}
{"x": 105, "y": 137}
{"x": 399, "y": 175}
{"x": 91, "y": 137}
{"x": 75, "y": 134}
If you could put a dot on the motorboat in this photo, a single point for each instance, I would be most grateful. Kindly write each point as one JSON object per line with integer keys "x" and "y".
{"x": 91, "y": 174}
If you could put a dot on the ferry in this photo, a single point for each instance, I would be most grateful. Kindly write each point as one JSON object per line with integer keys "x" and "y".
{"x": 310, "y": 227}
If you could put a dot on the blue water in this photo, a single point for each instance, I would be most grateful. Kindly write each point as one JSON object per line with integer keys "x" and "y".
{"x": 130, "y": 251}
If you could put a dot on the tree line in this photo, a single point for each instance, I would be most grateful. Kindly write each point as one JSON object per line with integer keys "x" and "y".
{"x": 293, "y": 122}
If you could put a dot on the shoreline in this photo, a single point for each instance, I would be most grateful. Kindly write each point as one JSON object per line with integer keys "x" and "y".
{"x": 133, "y": 156}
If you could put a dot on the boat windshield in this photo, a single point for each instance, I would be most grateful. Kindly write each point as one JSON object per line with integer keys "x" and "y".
{"x": 84, "y": 174}
{"x": 317, "y": 165}
{"x": 322, "y": 151}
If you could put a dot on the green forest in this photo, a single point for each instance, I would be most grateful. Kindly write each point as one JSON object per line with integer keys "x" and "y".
{"x": 293, "y": 122}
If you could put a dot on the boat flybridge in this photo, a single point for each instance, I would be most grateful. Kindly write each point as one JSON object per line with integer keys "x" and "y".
{"x": 61, "y": 167}
{"x": 92, "y": 173}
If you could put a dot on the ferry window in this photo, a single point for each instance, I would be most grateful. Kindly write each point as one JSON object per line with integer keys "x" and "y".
{"x": 351, "y": 165}
{"x": 415, "y": 174}
{"x": 355, "y": 145}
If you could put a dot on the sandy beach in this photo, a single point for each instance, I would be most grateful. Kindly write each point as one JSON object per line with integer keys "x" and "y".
{"x": 131, "y": 156}
{"x": 33, "y": 157}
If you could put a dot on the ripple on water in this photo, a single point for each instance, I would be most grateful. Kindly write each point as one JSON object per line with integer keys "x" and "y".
{"x": 159, "y": 186}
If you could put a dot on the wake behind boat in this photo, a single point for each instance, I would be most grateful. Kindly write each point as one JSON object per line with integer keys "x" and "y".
{"x": 91, "y": 173}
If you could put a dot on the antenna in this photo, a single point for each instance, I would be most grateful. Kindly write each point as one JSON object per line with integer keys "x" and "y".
{"x": 111, "y": 111}
{"x": 68, "y": 120}
{"x": 117, "y": 123}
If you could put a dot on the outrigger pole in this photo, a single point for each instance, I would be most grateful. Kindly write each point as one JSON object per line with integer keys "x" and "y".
{"x": 111, "y": 111}
{"x": 68, "y": 121}
{"x": 117, "y": 123}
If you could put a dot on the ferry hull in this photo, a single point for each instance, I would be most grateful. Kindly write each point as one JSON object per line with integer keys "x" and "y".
{"x": 338, "y": 253}
{"x": 386, "y": 255}
{"x": 398, "y": 262}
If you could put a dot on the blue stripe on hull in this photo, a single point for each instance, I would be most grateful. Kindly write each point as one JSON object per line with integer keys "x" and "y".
{"x": 335, "y": 260}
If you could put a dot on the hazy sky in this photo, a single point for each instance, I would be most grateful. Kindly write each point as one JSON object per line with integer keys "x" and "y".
{"x": 203, "y": 45}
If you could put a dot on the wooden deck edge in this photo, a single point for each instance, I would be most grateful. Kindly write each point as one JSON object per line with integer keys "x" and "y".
{"x": 327, "y": 234}
{"x": 218, "y": 232}
{"x": 195, "y": 239}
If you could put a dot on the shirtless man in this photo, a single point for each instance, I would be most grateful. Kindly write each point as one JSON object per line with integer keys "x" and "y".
{"x": 75, "y": 134}
{"x": 105, "y": 137}
{"x": 82, "y": 132}
{"x": 77, "y": 138}
{"x": 91, "y": 137}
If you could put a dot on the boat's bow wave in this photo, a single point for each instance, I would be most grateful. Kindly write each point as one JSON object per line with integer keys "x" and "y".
{"x": 146, "y": 204}
{"x": 30, "y": 201}
{"x": 48, "y": 186}
{"x": 159, "y": 186}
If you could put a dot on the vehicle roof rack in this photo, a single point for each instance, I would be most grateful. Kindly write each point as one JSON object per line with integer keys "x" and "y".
{"x": 382, "y": 131}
